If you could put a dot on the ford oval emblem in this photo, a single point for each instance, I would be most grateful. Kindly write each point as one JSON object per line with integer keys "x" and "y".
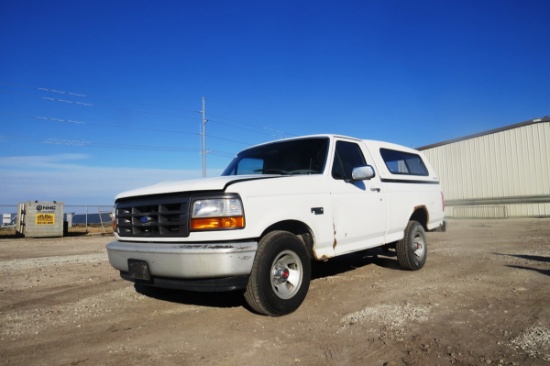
{"x": 145, "y": 219}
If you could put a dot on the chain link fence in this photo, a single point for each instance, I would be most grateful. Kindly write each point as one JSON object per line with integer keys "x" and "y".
{"x": 77, "y": 218}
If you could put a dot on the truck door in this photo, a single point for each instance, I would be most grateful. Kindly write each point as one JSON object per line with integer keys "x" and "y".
{"x": 358, "y": 206}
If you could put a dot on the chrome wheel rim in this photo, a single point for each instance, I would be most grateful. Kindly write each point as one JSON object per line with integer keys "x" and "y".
{"x": 419, "y": 246}
{"x": 286, "y": 274}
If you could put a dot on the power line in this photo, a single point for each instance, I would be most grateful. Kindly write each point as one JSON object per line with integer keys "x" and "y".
{"x": 103, "y": 125}
{"x": 82, "y": 123}
{"x": 229, "y": 140}
{"x": 95, "y": 105}
{"x": 218, "y": 119}
{"x": 68, "y": 101}
{"x": 53, "y": 119}
{"x": 251, "y": 127}
{"x": 85, "y": 143}
{"x": 65, "y": 142}
{"x": 263, "y": 130}
{"x": 77, "y": 122}
{"x": 63, "y": 92}
{"x": 84, "y": 95}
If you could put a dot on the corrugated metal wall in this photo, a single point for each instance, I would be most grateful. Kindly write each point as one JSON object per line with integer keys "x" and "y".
{"x": 505, "y": 173}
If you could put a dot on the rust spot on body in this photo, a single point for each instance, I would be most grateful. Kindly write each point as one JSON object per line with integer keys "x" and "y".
{"x": 323, "y": 258}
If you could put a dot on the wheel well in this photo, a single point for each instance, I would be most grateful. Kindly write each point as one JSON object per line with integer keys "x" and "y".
{"x": 298, "y": 228}
{"x": 420, "y": 214}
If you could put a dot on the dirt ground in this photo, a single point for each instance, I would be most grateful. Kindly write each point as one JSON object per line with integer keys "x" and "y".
{"x": 483, "y": 298}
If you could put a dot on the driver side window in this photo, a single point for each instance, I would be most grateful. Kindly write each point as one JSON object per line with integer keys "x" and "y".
{"x": 348, "y": 155}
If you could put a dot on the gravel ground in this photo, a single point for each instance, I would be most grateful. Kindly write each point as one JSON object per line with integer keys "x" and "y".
{"x": 481, "y": 299}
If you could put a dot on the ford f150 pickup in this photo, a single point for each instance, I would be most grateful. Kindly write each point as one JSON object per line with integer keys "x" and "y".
{"x": 276, "y": 208}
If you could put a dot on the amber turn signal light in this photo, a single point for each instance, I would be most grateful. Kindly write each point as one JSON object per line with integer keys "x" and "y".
{"x": 216, "y": 223}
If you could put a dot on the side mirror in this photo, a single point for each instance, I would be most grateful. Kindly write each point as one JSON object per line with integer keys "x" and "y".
{"x": 362, "y": 173}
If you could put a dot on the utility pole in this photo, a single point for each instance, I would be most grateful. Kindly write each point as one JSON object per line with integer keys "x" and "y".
{"x": 203, "y": 136}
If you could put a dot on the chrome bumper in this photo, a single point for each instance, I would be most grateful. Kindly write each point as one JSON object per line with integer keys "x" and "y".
{"x": 186, "y": 261}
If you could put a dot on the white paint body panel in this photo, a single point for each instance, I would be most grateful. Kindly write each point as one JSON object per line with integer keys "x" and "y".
{"x": 355, "y": 215}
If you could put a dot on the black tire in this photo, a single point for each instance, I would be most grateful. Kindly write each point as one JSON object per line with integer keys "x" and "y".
{"x": 412, "y": 250}
{"x": 280, "y": 275}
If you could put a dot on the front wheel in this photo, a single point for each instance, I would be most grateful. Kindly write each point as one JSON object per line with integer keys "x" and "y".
{"x": 412, "y": 250}
{"x": 280, "y": 275}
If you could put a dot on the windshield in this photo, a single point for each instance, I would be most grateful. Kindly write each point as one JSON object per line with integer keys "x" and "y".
{"x": 303, "y": 156}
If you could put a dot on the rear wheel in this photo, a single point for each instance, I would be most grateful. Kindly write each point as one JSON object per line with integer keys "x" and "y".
{"x": 412, "y": 250}
{"x": 280, "y": 275}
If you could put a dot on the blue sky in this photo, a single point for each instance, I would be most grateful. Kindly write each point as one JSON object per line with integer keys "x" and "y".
{"x": 97, "y": 97}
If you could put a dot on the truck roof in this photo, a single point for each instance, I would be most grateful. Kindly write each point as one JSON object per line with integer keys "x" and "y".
{"x": 374, "y": 143}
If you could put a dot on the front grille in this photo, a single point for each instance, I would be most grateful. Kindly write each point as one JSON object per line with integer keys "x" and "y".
{"x": 157, "y": 216}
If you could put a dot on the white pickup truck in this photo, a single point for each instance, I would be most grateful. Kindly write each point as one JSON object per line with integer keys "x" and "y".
{"x": 277, "y": 207}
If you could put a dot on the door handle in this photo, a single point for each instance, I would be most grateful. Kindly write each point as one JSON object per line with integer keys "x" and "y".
{"x": 375, "y": 189}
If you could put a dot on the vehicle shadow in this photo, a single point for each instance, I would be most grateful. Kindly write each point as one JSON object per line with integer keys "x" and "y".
{"x": 232, "y": 299}
{"x": 229, "y": 299}
{"x": 76, "y": 233}
{"x": 535, "y": 258}
{"x": 349, "y": 262}
{"x": 541, "y": 271}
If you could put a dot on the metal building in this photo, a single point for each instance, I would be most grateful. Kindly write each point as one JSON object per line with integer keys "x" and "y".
{"x": 496, "y": 174}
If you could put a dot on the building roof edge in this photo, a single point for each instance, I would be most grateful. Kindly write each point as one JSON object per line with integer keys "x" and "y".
{"x": 489, "y": 132}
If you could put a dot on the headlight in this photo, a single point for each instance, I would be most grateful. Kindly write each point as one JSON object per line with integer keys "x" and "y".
{"x": 217, "y": 213}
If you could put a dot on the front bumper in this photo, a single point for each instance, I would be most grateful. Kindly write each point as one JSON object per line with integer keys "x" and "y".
{"x": 186, "y": 261}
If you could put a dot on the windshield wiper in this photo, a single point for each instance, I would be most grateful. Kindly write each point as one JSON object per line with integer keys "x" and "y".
{"x": 275, "y": 171}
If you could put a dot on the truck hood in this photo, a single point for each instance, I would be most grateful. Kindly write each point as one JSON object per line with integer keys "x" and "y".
{"x": 202, "y": 184}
